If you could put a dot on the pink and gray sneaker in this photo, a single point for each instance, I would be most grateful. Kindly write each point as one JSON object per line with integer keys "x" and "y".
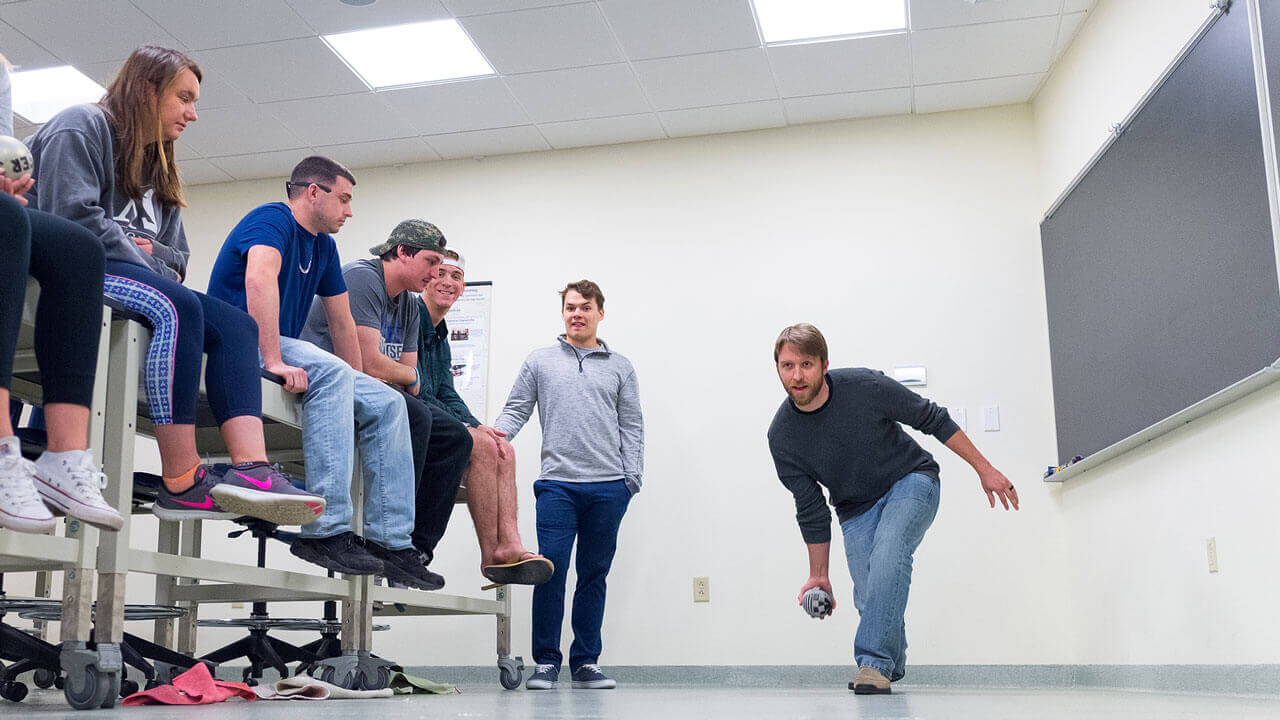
{"x": 194, "y": 503}
{"x": 264, "y": 491}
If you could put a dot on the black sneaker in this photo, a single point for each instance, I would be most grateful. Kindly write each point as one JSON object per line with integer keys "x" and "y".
{"x": 589, "y": 677}
{"x": 405, "y": 567}
{"x": 345, "y": 553}
{"x": 544, "y": 677}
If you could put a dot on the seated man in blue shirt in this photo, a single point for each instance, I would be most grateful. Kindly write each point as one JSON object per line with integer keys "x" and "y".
{"x": 274, "y": 262}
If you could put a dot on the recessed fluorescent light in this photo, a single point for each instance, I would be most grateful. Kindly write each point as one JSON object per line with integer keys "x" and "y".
{"x": 40, "y": 94}
{"x": 410, "y": 54}
{"x": 791, "y": 20}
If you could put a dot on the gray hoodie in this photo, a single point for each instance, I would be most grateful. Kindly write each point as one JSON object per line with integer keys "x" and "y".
{"x": 76, "y": 179}
{"x": 589, "y": 408}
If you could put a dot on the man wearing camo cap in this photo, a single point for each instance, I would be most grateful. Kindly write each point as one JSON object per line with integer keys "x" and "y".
{"x": 386, "y": 318}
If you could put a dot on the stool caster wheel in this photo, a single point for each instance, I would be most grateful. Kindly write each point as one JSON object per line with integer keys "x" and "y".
{"x": 510, "y": 672}
{"x": 44, "y": 678}
{"x": 13, "y": 691}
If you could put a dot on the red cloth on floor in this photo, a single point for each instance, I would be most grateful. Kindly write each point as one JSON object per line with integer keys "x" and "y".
{"x": 193, "y": 687}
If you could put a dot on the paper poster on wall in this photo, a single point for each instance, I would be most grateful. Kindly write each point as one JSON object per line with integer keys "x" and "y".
{"x": 468, "y": 323}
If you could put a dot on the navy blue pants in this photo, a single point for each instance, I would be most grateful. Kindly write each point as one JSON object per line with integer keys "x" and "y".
{"x": 591, "y": 513}
{"x": 184, "y": 325}
{"x": 67, "y": 261}
{"x": 441, "y": 453}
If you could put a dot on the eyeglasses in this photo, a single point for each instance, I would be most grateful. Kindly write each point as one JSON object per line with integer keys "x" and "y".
{"x": 289, "y": 184}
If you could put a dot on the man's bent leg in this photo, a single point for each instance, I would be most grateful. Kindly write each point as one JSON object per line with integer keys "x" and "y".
{"x": 557, "y": 527}
{"x": 482, "y": 495}
{"x": 327, "y": 422}
{"x": 382, "y": 429}
{"x": 448, "y": 449}
{"x": 905, "y": 514}
{"x": 598, "y": 525}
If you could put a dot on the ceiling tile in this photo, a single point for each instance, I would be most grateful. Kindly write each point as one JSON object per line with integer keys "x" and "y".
{"x": 184, "y": 151}
{"x": 722, "y": 78}
{"x": 664, "y": 28}
{"x": 976, "y": 93}
{"x": 845, "y": 106}
{"x": 327, "y": 17}
{"x": 839, "y": 66}
{"x": 269, "y": 72}
{"x": 1074, "y": 6}
{"x": 723, "y": 119}
{"x": 457, "y": 106}
{"x": 340, "y": 119}
{"x": 24, "y": 54}
{"x": 240, "y": 130}
{"x": 197, "y": 171}
{"x": 23, "y": 129}
{"x": 115, "y": 27}
{"x": 603, "y": 131}
{"x": 462, "y": 8}
{"x": 544, "y": 39}
{"x": 973, "y": 52}
{"x": 927, "y": 14}
{"x": 480, "y": 143}
{"x": 579, "y": 93}
{"x": 262, "y": 165}
{"x": 199, "y": 24}
{"x": 381, "y": 153}
{"x": 1067, "y": 32}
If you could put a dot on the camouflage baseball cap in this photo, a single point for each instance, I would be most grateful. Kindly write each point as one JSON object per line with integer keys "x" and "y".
{"x": 414, "y": 233}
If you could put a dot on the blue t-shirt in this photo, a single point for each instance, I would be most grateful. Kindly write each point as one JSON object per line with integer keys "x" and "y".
{"x": 309, "y": 264}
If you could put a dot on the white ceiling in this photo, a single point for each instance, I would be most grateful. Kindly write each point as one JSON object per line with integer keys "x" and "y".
{"x": 571, "y": 73}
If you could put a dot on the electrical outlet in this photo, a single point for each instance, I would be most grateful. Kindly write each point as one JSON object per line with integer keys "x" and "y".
{"x": 1212, "y": 547}
{"x": 702, "y": 589}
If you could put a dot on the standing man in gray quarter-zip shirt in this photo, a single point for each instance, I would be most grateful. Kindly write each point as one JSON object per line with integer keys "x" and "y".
{"x": 842, "y": 430}
{"x": 592, "y": 457}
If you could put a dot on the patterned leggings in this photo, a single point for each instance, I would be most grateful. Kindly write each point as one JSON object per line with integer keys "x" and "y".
{"x": 184, "y": 325}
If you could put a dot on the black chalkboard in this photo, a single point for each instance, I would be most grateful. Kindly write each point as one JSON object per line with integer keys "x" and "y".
{"x": 1160, "y": 265}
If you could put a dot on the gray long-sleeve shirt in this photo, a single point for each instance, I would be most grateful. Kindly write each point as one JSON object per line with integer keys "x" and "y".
{"x": 76, "y": 179}
{"x": 6, "y": 101}
{"x": 853, "y": 446}
{"x": 589, "y": 407}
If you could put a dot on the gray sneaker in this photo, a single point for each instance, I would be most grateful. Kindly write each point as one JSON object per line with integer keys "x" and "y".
{"x": 194, "y": 503}
{"x": 589, "y": 677}
{"x": 544, "y": 677}
{"x": 264, "y": 491}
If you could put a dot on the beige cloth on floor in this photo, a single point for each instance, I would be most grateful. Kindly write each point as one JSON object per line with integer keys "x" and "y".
{"x": 303, "y": 687}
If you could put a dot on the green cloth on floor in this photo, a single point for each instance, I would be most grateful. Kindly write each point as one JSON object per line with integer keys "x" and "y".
{"x": 402, "y": 684}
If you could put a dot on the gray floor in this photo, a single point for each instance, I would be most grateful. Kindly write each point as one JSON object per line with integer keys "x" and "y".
{"x": 647, "y": 702}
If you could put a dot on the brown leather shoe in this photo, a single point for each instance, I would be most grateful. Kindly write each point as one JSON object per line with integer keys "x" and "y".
{"x": 869, "y": 681}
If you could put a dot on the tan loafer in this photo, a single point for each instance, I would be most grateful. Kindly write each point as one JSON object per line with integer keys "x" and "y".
{"x": 869, "y": 681}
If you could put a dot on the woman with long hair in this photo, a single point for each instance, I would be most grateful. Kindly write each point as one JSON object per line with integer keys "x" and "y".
{"x": 67, "y": 262}
{"x": 110, "y": 168}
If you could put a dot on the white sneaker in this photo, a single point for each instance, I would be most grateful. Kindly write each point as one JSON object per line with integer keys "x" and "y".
{"x": 72, "y": 483}
{"x": 20, "y": 505}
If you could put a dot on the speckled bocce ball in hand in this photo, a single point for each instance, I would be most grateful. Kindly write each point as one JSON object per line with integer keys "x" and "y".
{"x": 816, "y": 602}
{"x": 15, "y": 158}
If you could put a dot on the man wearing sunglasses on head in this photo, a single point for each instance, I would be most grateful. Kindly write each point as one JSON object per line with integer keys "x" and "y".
{"x": 272, "y": 265}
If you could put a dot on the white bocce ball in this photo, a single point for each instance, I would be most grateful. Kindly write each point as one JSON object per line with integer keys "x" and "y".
{"x": 15, "y": 158}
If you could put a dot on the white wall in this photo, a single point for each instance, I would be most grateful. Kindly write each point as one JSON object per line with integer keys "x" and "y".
{"x": 908, "y": 240}
{"x": 1138, "y": 584}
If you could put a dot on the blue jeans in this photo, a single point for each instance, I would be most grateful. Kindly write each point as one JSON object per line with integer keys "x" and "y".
{"x": 879, "y": 544}
{"x": 591, "y": 512}
{"x": 339, "y": 400}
